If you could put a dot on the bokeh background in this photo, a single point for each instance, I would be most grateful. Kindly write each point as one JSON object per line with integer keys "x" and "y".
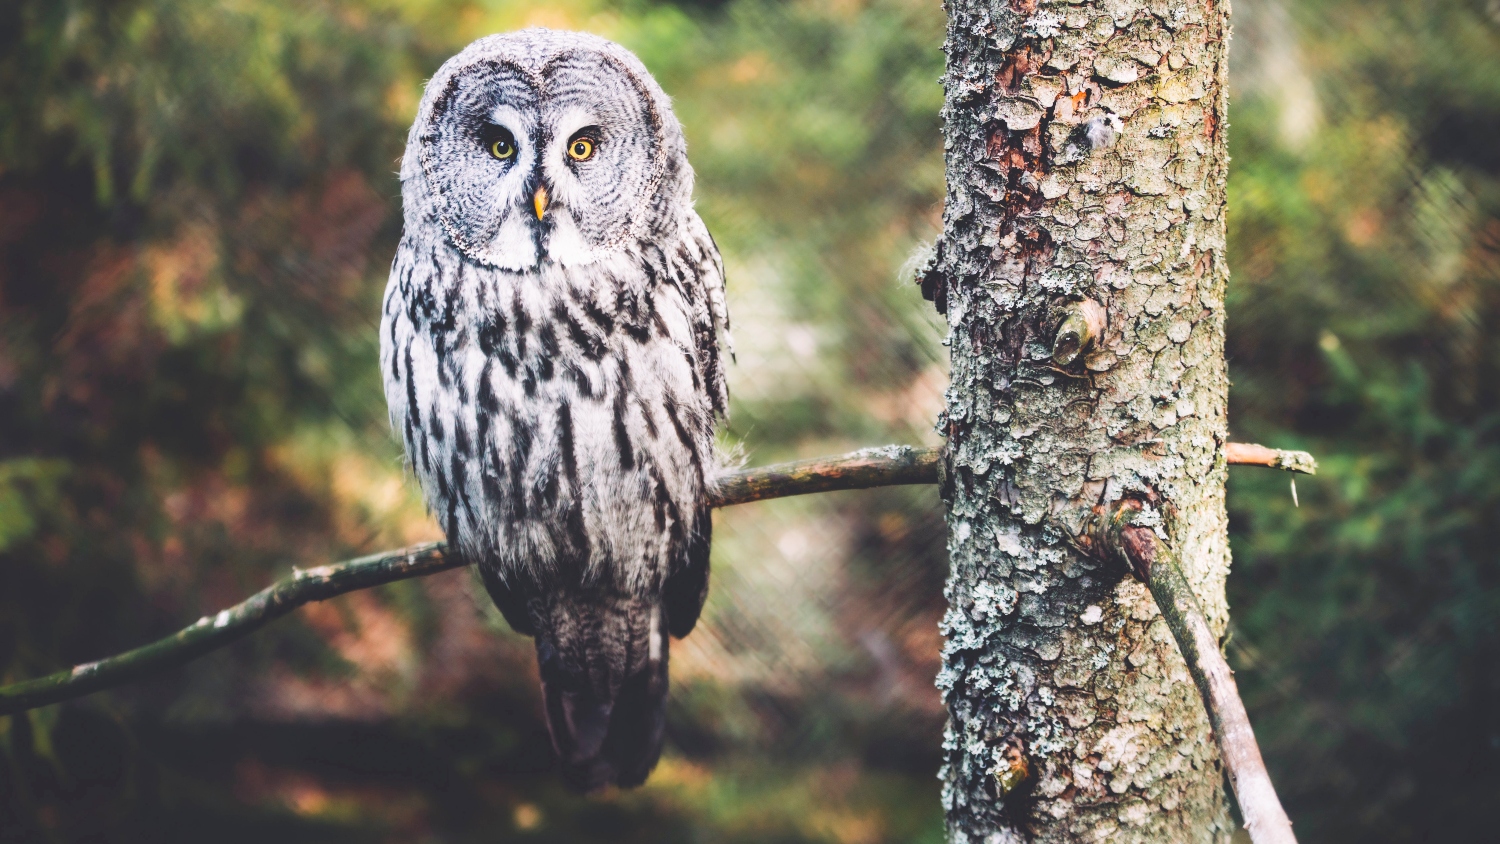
{"x": 198, "y": 204}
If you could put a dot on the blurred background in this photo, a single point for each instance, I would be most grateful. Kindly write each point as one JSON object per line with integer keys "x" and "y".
{"x": 198, "y": 206}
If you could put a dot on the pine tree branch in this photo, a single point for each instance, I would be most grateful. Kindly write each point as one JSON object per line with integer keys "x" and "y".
{"x": 891, "y": 465}
{"x": 210, "y": 633}
{"x": 871, "y": 467}
{"x": 1261, "y": 809}
{"x": 1156, "y": 563}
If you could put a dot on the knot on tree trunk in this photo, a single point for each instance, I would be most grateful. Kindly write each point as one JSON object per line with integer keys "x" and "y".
{"x": 1125, "y": 532}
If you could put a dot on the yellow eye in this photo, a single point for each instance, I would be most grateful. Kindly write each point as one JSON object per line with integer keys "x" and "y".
{"x": 581, "y": 149}
{"x": 502, "y": 149}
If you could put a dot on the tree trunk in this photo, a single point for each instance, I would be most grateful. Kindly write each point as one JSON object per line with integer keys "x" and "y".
{"x": 1082, "y": 271}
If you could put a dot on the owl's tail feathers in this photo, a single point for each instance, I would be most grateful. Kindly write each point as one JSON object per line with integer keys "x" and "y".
{"x": 605, "y": 742}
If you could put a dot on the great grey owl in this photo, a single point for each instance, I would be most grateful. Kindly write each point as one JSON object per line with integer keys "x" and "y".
{"x": 550, "y": 350}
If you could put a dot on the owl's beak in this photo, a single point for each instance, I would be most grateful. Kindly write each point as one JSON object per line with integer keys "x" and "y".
{"x": 539, "y": 200}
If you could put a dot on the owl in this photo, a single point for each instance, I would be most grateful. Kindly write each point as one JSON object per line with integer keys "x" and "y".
{"x": 549, "y": 344}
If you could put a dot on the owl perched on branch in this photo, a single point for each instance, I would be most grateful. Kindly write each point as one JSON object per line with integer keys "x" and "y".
{"x": 550, "y": 351}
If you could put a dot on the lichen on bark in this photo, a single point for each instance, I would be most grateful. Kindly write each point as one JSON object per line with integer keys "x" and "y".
{"x": 1085, "y": 166}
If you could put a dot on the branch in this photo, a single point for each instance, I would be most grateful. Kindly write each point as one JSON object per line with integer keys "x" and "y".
{"x": 894, "y": 465}
{"x": 891, "y": 465}
{"x": 1261, "y": 809}
{"x": 885, "y": 466}
{"x": 1248, "y": 454}
{"x": 211, "y": 633}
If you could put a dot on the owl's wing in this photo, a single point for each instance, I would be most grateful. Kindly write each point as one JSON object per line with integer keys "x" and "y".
{"x": 711, "y": 317}
{"x": 687, "y": 588}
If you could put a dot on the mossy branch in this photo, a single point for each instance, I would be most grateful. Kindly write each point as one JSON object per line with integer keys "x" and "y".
{"x": 871, "y": 467}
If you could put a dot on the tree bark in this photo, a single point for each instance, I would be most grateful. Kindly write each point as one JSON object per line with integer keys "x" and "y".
{"x": 1082, "y": 271}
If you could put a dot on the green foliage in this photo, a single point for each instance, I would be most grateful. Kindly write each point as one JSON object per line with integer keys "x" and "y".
{"x": 28, "y": 488}
{"x": 1365, "y": 249}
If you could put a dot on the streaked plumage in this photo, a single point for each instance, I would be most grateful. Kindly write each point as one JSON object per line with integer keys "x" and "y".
{"x": 551, "y": 361}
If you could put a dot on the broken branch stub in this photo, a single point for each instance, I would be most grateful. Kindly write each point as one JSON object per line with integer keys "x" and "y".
{"x": 1082, "y": 325}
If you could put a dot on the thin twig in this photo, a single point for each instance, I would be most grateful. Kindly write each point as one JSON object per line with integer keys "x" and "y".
{"x": 1153, "y": 561}
{"x": 210, "y": 633}
{"x": 1259, "y": 806}
{"x": 871, "y": 467}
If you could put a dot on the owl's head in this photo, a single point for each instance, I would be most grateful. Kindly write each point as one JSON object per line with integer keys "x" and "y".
{"x": 543, "y": 146}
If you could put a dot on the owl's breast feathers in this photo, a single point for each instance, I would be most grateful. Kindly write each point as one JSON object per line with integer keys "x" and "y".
{"x": 561, "y": 421}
